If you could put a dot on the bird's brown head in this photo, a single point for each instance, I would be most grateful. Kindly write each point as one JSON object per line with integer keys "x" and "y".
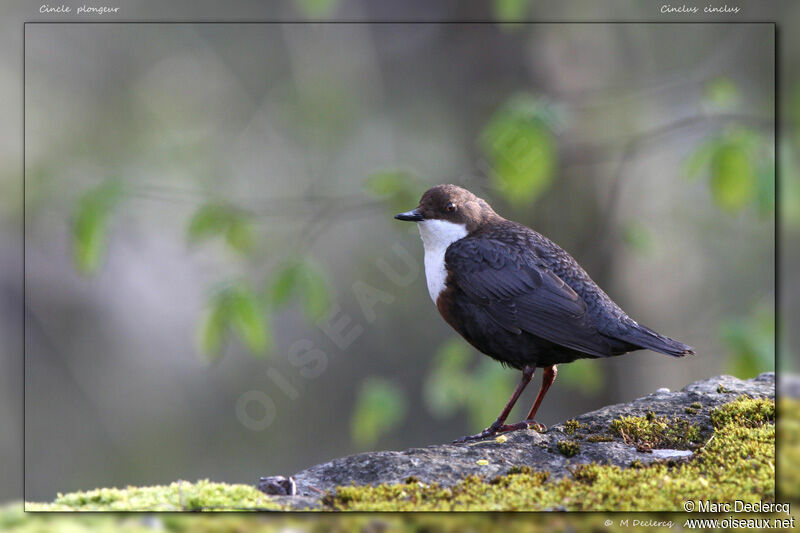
{"x": 450, "y": 203}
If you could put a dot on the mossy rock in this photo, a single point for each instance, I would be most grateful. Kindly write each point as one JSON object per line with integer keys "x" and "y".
{"x": 736, "y": 464}
{"x": 202, "y": 495}
{"x": 446, "y": 465}
{"x": 730, "y": 439}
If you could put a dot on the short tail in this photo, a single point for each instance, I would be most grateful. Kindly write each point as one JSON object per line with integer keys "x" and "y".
{"x": 645, "y": 337}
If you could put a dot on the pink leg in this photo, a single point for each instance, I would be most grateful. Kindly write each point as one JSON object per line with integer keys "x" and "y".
{"x": 548, "y": 378}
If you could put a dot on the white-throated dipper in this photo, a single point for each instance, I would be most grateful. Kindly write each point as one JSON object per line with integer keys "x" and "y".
{"x": 517, "y": 296}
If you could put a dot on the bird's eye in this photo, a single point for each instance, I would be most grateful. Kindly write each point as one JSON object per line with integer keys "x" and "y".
{"x": 450, "y": 207}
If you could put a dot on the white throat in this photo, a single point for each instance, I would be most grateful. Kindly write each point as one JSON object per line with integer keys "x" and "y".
{"x": 437, "y": 235}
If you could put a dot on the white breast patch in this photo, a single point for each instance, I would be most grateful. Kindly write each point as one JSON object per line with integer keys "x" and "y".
{"x": 437, "y": 235}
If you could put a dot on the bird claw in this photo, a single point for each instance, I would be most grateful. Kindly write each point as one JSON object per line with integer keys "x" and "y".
{"x": 495, "y": 429}
{"x": 482, "y": 435}
{"x": 533, "y": 424}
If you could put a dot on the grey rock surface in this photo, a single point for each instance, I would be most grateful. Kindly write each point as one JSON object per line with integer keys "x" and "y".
{"x": 446, "y": 464}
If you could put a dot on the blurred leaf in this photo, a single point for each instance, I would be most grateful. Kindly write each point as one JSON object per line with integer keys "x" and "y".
{"x": 208, "y": 221}
{"x": 380, "y": 407}
{"x": 213, "y": 332}
{"x": 732, "y": 178}
{"x": 316, "y": 293}
{"x": 741, "y": 169}
{"x": 722, "y": 93}
{"x": 700, "y": 160}
{"x": 750, "y": 342}
{"x": 518, "y": 140}
{"x": 316, "y": 8}
{"x": 248, "y": 320}
{"x": 583, "y": 375}
{"x": 284, "y": 284}
{"x": 218, "y": 220}
{"x": 234, "y": 308}
{"x": 446, "y": 387}
{"x": 304, "y": 280}
{"x": 239, "y": 235}
{"x": 90, "y": 225}
{"x": 637, "y": 236}
{"x": 400, "y": 189}
{"x": 509, "y": 10}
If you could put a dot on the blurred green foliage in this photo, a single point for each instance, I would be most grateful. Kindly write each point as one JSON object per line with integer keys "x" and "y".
{"x": 234, "y": 308}
{"x": 583, "y": 375}
{"x": 380, "y": 407}
{"x": 750, "y": 342}
{"x": 732, "y": 177}
{"x": 228, "y": 222}
{"x": 637, "y": 237}
{"x": 304, "y": 280}
{"x": 510, "y": 10}
{"x": 90, "y": 225}
{"x": 721, "y": 93}
{"x": 239, "y": 309}
{"x": 739, "y": 165}
{"x": 519, "y": 143}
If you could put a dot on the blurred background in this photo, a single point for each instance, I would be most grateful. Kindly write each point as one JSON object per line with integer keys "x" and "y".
{"x": 215, "y": 286}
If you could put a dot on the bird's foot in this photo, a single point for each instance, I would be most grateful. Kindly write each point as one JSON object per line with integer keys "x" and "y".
{"x": 488, "y": 432}
{"x": 496, "y": 429}
{"x": 527, "y": 424}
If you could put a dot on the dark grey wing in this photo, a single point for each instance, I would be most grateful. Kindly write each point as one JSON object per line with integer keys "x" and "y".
{"x": 521, "y": 293}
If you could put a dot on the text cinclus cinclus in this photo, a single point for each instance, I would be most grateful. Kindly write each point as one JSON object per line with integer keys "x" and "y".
{"x": 517, "y": 296}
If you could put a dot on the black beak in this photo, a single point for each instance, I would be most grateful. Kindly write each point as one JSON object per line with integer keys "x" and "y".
{"x": 411, "y": 216}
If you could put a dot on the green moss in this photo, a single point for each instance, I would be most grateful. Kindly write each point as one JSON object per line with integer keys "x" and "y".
{"x": 745, "y": 411}
{"x": 694, "y": 408}
{"x": 651, "y": 431}
{"x": 568, "y": 448}
{"x": 738, "y": 463}
{"x": 178, "y": 496}
{"x": 586, "y": 473}
{"x": 602, "y": 437}
{"x": 571, "y": 426}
